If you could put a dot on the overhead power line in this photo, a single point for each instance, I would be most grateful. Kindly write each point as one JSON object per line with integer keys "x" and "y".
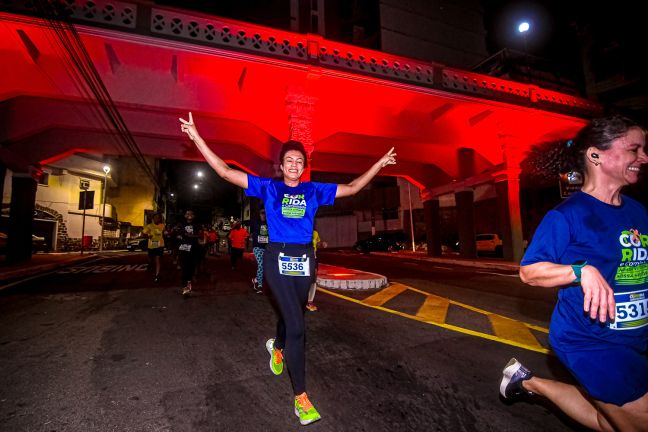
{"x": 84, "y": 70}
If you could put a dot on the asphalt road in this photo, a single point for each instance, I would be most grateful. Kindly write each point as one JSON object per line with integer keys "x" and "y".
{"x": 100, "y": 347}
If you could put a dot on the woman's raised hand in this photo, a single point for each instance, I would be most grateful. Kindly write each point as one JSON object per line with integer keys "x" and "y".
{"x": 388, "y": 159}
{"x": 189, "y": 127}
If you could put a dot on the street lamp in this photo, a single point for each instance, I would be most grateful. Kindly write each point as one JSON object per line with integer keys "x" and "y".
{"x": 106, "y": 170}
{"x": 523, "y": 28}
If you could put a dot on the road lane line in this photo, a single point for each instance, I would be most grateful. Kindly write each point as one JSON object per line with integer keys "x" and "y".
{"x": 523, "y": 341}
{"x": 434, "y": 309}
{"x": 383, "y": 296}
{"x": 18, "y": 282}
{"x": 442, "y": 325}
{"x": 507, "y": 328}
{"x": 463, "y": 305}
{"x": 40, "y": 275}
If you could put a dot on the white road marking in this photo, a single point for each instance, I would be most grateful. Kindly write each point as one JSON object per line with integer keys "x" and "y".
{"x": 26, "y": 279}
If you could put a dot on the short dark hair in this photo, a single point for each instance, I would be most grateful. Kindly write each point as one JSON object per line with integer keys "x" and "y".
{"x": 293, "y": 145}
{"x": 598, "y": 133}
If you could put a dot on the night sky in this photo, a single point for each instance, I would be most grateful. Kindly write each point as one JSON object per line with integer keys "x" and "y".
{"x": 552, "y": 34}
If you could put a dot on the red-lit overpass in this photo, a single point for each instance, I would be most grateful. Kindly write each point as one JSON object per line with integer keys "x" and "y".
{"x": 251, "y": 88}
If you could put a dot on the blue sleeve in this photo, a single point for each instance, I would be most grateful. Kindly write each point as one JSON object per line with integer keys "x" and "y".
{"x": 325, "y": 193}
{"x": 549, "y": 241}
{"x": 255, "y": 186}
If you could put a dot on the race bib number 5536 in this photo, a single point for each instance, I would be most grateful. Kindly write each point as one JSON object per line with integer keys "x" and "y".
{"x": 294, "y": 266}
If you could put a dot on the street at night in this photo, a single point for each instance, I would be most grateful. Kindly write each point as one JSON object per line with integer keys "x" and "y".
{"x": 98, "y": 346}
{"x": 460, "y": 176}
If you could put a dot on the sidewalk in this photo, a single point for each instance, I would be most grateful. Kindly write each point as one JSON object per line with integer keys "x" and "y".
{"x": 483, "y": 263}
{"x": 41, "y": 263}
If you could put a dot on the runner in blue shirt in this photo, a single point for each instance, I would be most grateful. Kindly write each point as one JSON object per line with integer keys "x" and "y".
{"x": 594, "y": 246}
{"x": 288, "y": 260}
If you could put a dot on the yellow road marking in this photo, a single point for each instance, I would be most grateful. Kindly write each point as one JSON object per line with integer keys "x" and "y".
{"x": 433, "y": 310}
{"x": 383, "y": 296}
{"x": 507, "y": 328}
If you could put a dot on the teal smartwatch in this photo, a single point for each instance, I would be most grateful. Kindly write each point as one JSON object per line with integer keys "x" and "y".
{"x": 577, "y": 267}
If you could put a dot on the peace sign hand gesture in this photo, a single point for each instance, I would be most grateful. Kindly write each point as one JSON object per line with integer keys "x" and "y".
{"x": 388, "y": 159}
{"x": 189, "y": 127}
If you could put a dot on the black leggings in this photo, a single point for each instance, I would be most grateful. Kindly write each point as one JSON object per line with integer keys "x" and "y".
{"x": 235, "y": 255}
{"x": 291, "y": 294}
{"x": 188, "y": 261}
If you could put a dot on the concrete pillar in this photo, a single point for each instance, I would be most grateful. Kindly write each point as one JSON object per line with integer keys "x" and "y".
{"x": 3, "y": 173}
{"x": 432, "y": 227}
{"x": 21, "y": 217}
{"x": 508, "y": 202}
{"x": 466, "y": 223}
{"x": 255, "y": 208}
{"x": 508, "y": 197}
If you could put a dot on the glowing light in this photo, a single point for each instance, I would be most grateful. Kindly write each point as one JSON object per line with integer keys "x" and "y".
{"x": 524, "y": 27}
{"x": 195, "y": 186}
{"x": 199, "y": 173}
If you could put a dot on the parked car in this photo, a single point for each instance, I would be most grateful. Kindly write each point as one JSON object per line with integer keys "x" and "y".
{"x": 137, "y": 243}
{"x": 489, "y": 243}
{"x": 39, "y": 244}
{"x": 382, "y": 242}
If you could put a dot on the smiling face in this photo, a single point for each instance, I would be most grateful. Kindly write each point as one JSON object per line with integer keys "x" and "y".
{"x": 292, "y": 166}
{"x": 621, "y": 163}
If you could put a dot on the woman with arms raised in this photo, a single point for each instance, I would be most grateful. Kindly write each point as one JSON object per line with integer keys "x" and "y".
{"x": 288, "y": 260}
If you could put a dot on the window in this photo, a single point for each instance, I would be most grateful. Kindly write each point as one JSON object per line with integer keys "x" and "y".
{"x": 86, "y": 200}
{"x": 43, "y": 179}
{"x": 390, "y": 213}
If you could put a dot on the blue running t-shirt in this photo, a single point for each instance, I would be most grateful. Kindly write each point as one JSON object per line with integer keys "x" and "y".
{"x": 290, "y": 211}
{"x": 614, "y": 239}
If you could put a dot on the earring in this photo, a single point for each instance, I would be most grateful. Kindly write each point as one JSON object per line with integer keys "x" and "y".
{"x": 597, "y": 163}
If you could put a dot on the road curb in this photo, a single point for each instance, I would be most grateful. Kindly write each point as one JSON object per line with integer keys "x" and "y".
{"x": 489, "y": 264}
{"x": 348, "y": 279}
{"x": 33, "y": 270}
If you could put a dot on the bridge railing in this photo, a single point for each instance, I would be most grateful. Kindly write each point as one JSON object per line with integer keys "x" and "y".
{"x": 145, "y": 18}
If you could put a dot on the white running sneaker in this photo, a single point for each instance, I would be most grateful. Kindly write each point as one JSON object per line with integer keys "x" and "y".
{"x": 513, "y": 375}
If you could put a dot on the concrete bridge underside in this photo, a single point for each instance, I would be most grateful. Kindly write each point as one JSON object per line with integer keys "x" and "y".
{"x": 247, "y": 103}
